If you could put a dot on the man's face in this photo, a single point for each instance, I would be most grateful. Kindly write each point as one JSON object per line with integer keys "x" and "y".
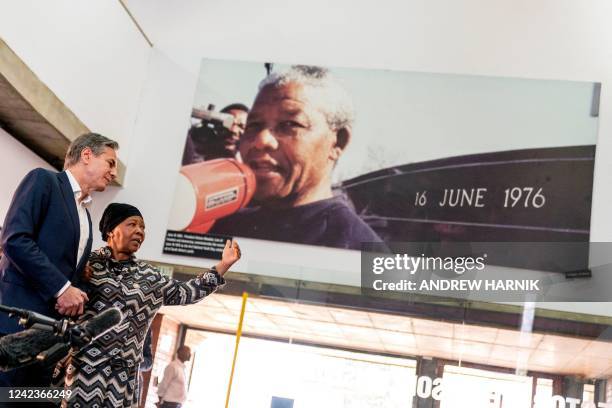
{"x": 288, "y": 144}
{"x": 222, "y": 142}
{"x": 100, "y": 170}
{"x": 231, "y": 140}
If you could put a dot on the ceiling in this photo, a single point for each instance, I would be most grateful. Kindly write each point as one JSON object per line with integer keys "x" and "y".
{"x": 34, "y": 115}
{"x": 400, "y": 335}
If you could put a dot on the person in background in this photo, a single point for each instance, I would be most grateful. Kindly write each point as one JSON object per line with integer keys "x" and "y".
{"x": 47, "y": 240}
{"x": 172, "y": 390}
{"x": 205, "y": 144}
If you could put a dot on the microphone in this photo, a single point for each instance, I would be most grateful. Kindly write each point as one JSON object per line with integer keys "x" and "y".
{"x": 21, "y": 348}
{"x": 208, "y": 191}
{"x": 29, "y": 319}
{"x": 88, "y": 331}
{"x": 32, "y": 345}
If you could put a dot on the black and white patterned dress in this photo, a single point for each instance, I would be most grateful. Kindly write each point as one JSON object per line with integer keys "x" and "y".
{"x": 104, "y": 373}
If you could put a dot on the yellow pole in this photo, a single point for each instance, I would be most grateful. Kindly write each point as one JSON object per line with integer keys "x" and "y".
{"x": 238, "y": 334}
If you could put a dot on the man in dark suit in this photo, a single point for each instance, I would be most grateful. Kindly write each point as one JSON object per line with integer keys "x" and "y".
{"x": 47, "y": 240}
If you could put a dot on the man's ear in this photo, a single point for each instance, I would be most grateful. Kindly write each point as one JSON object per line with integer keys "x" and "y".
{"x": 86, "y": 155}
{"x": 343, "y": 137}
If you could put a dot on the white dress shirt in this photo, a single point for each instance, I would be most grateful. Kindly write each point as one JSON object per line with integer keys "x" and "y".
{"x": 81, "y": 204}
{"x": 173, "y": 388}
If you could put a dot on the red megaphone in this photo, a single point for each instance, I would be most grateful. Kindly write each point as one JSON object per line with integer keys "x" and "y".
{"x": 208, "y": 191}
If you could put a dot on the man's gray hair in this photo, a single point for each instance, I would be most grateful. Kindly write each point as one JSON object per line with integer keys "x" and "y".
{"x": 338, "y": 105}
{"x": 96, "y": 142}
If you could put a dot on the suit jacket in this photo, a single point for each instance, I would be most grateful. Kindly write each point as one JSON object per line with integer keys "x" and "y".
{"x": 40, "y": 240}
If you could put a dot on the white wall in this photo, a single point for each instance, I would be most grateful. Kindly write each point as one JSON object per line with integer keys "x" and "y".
{"x": 89, "y": 53}
{"x": 17, "y": 160}
{"x": 157, "y": 151}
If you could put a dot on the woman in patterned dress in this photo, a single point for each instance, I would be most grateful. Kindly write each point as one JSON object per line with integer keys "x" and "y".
{"x": 104, "y": 373}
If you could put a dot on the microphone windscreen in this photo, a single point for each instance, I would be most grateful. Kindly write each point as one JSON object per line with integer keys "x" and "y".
{"x": 19, "y": 349}
{"x": 102, "y": 322}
